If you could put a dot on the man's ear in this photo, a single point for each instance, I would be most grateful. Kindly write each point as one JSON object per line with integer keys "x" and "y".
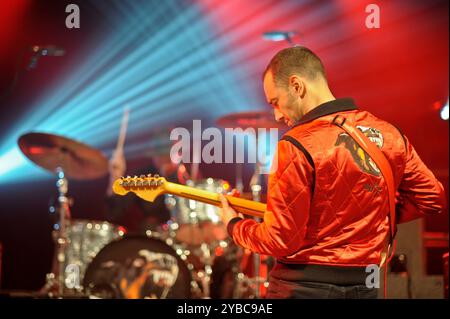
{"x": 297, "y": 85}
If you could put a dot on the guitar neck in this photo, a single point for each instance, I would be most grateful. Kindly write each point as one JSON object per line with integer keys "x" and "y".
{"x": 241, "y": 205}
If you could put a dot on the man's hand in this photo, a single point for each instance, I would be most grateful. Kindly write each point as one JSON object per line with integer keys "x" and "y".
{"x": 227, "y": 213}
{"x": 117, "y": 167}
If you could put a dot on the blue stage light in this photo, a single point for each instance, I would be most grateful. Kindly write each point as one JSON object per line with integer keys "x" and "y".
{"x": 165, "y": 61}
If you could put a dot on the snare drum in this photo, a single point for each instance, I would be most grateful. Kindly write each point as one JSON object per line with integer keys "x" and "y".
{"x": 197, "y": 222}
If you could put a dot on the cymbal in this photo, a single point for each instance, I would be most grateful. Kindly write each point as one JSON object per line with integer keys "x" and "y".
{"x": 255, "y": 119}
{"x": 77, "y": 160}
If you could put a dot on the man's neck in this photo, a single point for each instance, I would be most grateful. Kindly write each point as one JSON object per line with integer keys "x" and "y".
{"x": 318, "y": 100}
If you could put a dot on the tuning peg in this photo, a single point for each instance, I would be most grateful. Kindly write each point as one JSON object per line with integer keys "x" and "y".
{"x": 122, "y": 178}
{"x": 142, "y": 176}
{"x": 135, "y": 177}
{"x": 128, "y": 177}
{"x": 149, "y": 175}
{"x": 156, "y": 176}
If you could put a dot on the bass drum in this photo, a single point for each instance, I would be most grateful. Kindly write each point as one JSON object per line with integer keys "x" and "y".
{"x": 138, "y": 267}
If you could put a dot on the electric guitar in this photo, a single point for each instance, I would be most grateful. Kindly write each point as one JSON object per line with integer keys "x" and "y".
{"x": 149, "y": 187}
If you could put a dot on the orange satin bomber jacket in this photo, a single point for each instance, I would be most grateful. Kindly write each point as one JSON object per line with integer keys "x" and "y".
{"x": 327, "y": 201}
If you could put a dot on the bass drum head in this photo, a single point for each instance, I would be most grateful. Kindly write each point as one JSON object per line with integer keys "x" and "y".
{"x": 138, "y": 267}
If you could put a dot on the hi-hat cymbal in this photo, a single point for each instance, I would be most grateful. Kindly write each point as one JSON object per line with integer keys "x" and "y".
{"x": 255, "y": 119}
{"x": 77, "y": 160}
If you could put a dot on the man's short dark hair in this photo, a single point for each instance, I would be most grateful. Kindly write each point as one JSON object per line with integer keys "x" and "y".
{"x": 295, "y": 60}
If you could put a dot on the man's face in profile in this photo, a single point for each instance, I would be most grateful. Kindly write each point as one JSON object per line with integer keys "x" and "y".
{"x": 284, "y": 104}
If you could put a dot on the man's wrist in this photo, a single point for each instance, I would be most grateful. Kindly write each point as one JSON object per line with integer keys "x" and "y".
{"x": 231, "y": 224}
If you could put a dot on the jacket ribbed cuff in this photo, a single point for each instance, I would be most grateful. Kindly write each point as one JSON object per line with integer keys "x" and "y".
{"x": 231, "y": 224}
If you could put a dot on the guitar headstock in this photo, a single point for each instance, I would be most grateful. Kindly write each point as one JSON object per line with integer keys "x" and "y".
{"x": 147, "y": 187}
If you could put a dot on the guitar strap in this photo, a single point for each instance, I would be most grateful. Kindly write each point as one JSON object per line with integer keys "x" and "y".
{"x": 383, "y": 165}
{"x": 380, "y": 160}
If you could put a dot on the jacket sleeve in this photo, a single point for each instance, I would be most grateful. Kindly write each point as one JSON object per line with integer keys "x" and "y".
{"x": 419, "y": 192}
{"x": 283, "y": 228}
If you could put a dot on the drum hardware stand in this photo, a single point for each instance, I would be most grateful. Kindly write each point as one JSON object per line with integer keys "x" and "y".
{"x": 195, "y": 288}
{"x": 202, "y": 276}
{"x": 206, "y": 278}
{"x": 239, "y": 183}
{"x": 56, "y": 279}
{"x": 255, "y": 186}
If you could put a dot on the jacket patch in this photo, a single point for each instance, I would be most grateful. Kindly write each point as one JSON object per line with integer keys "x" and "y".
{"x": 362, "y": 159}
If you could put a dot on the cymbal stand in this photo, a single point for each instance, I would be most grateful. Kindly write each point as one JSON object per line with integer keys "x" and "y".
{"x": 61, "y": 234}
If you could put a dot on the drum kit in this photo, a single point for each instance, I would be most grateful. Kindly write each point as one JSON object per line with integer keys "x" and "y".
{"x": 191, "y": 256}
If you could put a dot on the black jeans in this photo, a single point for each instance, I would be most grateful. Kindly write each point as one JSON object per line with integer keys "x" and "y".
{"x": 282, "y": 289}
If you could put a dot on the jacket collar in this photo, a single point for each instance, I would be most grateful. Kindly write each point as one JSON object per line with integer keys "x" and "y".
{"x": 330, "y": 107}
